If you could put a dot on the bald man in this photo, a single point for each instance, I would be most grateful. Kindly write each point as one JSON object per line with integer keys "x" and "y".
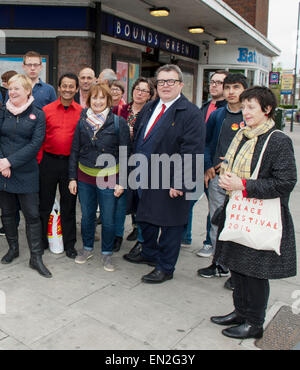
{"x": 86, "y": 79}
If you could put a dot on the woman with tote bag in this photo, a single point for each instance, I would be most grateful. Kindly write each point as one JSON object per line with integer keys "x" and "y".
{"x": 257, "y": 148}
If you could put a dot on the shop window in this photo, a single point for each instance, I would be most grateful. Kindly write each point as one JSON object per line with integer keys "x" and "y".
{"x": 188, "y": 88}
{"x": 128, "y": 71}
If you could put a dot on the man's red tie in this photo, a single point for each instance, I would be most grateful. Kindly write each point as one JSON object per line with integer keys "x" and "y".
{"x": 163, "y": 107}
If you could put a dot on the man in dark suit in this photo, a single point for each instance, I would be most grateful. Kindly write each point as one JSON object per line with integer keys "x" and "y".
{"x": 170, "y": 125}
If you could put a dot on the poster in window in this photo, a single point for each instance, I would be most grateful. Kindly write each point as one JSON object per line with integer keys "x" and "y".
{"x": 122, "y": 74}
{"x": 133, "y": 75}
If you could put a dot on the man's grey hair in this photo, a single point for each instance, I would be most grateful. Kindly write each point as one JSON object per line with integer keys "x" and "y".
{"x": 109, "y": 75}
{"x": 169, "y": 68}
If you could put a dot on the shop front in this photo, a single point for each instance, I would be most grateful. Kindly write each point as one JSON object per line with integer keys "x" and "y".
{"x": 235, "y": 59}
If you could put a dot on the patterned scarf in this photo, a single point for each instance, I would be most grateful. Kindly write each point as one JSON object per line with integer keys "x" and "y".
{"x": 240, "y": 164}
{"x": 96, "y": 121}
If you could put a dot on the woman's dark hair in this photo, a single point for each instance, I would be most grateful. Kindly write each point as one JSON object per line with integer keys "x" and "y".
{"x": 263, "y": 95}
{"x": 72, "y": 76}
{"x": 234, "y": 78}
{"x": 148, "y": 82}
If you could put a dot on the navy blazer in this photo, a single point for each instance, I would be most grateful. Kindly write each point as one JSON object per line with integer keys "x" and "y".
{"x": 179, "y": 131}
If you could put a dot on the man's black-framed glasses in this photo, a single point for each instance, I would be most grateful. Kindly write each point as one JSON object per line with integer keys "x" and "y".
{"x": 170, "y": 82}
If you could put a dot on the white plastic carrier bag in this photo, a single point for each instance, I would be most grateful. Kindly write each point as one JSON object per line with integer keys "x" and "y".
{"x": 55, "y": 239}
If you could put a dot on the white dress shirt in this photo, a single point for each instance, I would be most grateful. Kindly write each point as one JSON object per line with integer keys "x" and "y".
{"x": 156, "y": 112}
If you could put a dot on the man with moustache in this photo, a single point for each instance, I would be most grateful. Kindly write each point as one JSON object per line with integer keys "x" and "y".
{"x": 61, "y": 120}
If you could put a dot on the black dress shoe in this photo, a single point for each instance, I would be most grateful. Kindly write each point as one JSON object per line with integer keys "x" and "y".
{"x": 137, "y": 248}
{"x": 117, "y": 243}
{"x": 156, "y": 277}
{"x": 71, "y": 253}
{"x": 230, "y": 319}
{"x": 138, "y": 258}
{"x": 244, "y": 331}
{"x": 133, "y": 235}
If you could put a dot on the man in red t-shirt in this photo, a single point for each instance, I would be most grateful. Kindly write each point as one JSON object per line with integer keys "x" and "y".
{"x": 61, "y": 119}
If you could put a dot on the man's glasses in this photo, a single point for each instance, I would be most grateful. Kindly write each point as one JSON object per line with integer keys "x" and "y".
{"x": 215, "y": 83}
{"x": 168, "y": 82}
{"x": 144, "y": 92}
{"x": 34, "y": 65}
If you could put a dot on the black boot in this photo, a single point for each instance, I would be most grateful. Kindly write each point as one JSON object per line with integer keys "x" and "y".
{"x": 117, "y": 243}
{"x": 37, "y": 264}
{"x": 34, "y": 239}
{"x": 11, "y": 233}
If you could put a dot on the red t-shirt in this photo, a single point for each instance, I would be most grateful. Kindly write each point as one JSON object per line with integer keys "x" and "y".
{"x": 60, "y": 127}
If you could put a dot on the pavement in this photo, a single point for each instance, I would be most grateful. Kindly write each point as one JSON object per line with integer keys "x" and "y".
{"x": 85, "y": 307}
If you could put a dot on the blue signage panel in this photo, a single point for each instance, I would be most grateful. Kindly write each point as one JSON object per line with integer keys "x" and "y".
{"x": 126, "y": 30}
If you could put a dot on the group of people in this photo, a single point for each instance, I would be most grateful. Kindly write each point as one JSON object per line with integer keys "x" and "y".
{"x": 45, "y": 142}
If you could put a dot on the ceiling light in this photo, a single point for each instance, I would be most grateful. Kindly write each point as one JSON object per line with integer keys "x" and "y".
{"x": 159, "y": 12}
{"x": 220, "y": 41}
{"x": 196, "y": 29}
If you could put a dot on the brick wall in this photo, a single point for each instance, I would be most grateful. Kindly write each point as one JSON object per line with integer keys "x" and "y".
{"x": 254, "y": 11}
{"x": 108, "y": 50}
{"x": 74, "y": 53}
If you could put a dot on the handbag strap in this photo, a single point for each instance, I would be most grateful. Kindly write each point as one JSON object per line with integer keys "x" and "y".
{"x": 257, "y": 168}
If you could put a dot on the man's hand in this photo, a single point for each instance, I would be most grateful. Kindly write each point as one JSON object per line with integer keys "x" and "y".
{"x": 209, "y": 175}
{"x": 175, "y": 193}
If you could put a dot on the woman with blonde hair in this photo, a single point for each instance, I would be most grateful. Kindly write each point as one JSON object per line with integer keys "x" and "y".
{"x": 22, "y": 130}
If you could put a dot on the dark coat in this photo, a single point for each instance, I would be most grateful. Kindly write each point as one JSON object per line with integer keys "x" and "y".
{"x": 86, "y": 149}
{"x": 277, "y": 178}
{"x": 179, "y": 131}
{"x": 21, "y": 138}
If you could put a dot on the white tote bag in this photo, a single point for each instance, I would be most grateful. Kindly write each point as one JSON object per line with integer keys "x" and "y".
{"x": 55, "y": 239}
{"x": 255, "y": 223}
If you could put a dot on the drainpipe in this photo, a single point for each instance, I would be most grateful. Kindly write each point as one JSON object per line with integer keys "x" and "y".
{"x": 98, "y": 31}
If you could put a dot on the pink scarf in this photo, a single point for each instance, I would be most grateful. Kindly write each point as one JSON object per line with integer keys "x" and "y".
{"x": 18, "y": 110}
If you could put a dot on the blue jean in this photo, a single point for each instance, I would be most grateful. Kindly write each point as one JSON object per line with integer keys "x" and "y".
{"x": 90, "y": 196}
{"x": 120, "y": 214}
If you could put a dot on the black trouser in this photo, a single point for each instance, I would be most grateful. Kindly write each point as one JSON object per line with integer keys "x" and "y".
{"x": 30, "y": 207}
{"x": 162, "y": 245}
{"x": 53, "y": 171}
{"x": 250, "y": 297}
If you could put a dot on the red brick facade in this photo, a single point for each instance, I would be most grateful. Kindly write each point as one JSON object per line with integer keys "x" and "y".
{"x": 256, "y": 12}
